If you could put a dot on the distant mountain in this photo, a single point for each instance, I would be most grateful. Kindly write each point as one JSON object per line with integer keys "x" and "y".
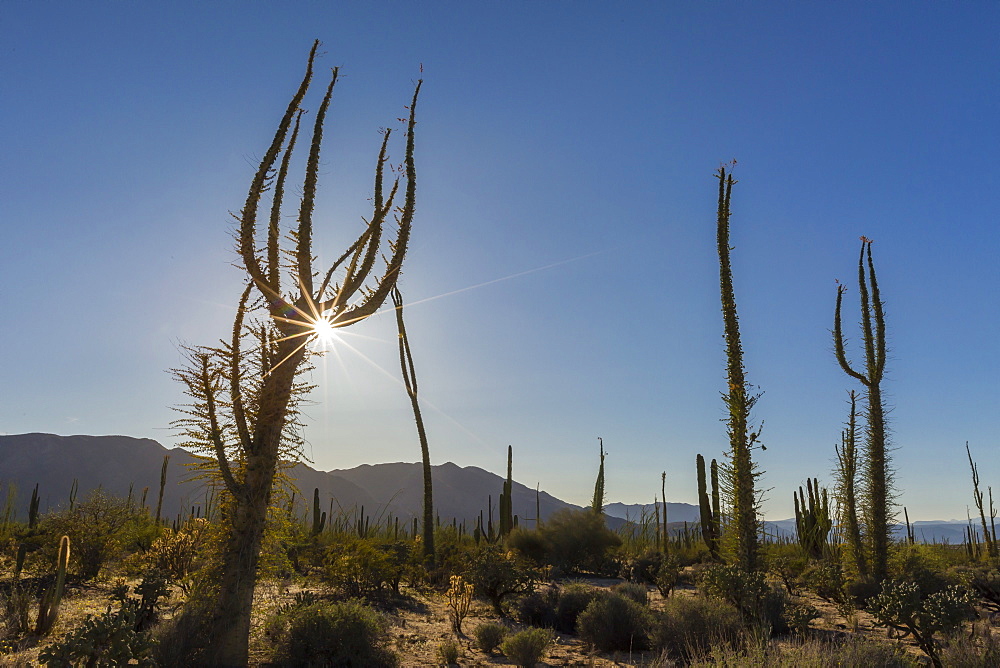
{"x": 116, "y": 462}
{"x": 676, "y": 512}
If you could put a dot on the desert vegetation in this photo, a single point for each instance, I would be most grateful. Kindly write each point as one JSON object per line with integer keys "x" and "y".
{"x": 260, "y": 576}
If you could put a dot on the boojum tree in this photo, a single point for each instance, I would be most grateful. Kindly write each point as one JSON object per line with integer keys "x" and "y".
{"x": 244, "y": 401}
{"x": 742, "y": 473}
{"x": 876, "y": 475}
{"x": 409, "y": 373}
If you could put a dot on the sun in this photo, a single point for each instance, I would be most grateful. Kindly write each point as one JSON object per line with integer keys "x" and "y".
{"x": 324, "y": 332}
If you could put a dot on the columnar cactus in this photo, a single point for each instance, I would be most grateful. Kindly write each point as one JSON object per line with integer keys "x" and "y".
{"x": 812, "y": 518}
{"x": 709, "y": 523}
{"x": 48, "y": 607}
{"x": 597, "y": 505}
{"x": 506, "y": 508}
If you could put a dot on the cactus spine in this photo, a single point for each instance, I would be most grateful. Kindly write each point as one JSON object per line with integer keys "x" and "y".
{"x": 598, "y": 503}
{"x": 709, "y": 523}
{"x": 48, "y": 607}
{"x": 743, "y": 502}
{"x": 812, "y": 518}
{"x": 877, "y": 489}
{"x": 410, "y": 381}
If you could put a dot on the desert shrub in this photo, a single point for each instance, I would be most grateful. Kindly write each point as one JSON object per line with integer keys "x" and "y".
{"x": 452, "y": 552}
{"x": 530, "y": 543}
{"x": 579, "y": 541}
{"x": 537, "y": 608}
{"x": 979, "y": 649}
{"x": 176, "y": 552}
{"x": 110, "y": 639}
{"x": 98, "y": 530}
{"x": 924, "y": 567}
{"x": 689, "y": 626}
{"x": 826, "y": 579}
{"x": 573, "y": 600}
{"x": 759, "y": 604}
{"x": 489, "y": 636}
{"x": 527, "y": 647}
{"x": 361, "y": 566}
{"x": 331, "y": 634}
{"x": 613, "y": 622}
{"x": 668, "y": 576}
{"x": 448, "y": 652}
{"x": 901, "y": 606}
{"x": 497, "y": 574}
{"x": 644, "y": 567}
{"x": 799, "y": 615}
{"x": 633, "y": 591}
{"x": 788, "y": 568}
{"x": 15, "y": 604}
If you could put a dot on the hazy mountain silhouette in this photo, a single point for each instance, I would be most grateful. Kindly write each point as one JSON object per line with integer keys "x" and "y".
{"x": 116, "y": 462}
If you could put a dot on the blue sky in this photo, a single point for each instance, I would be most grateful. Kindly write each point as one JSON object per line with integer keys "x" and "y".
{"x": 566, "y": 148}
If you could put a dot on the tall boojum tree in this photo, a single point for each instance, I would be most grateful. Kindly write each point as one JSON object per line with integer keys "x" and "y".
{"x": 244, "y": 402}
{"x": 739, "y": 400}
{"x": 877, "y": 479}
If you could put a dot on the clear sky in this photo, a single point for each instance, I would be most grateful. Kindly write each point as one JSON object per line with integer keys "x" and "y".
{"x": 562, "y": 273}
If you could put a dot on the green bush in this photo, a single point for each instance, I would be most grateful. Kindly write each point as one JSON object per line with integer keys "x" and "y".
{"x": 99, "y": 530}
{"x": 528, "y": 647}
{"x": 980, "y": 649}
{"x": 448, "y": 652}
{"x": 633, "y": 591}
{"x": 799, "y": 616}
{"x": 573, "y": 600}
{"x": 578, "y": 541}
{"x": 668, "y": 576}
{"x": 497, "y": 574}
{"x": 489, "y": 636}
{"x": 107, "y": 640}
{"x": 688, "y": 626}
{"x": 331, "y": 634}
{"x": 901, "y": 606}
{"x": 530, "y": 543}
{"x": 362, "y": 566}
{"x": 613, "y": 622}
{"x": 537, "y": 608}
{"x": 760, "y": 604}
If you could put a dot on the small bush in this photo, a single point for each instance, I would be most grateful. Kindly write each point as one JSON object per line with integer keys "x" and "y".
{"x": 489, "y": 636}
{"x": 448, "y": 652}
{"x": 579, "y": 541}
{"x": 941, "y": 613}
{"x": 528, "y": 647}
{"x": 633, "y": 591}
{"x": 14, "y": 610}
{"x": 613, "y": 622}
{"x": 689, "y": 626}
{"x": 980, "y": 649}
{"x": 331, "y": 634}
{"x": 109, "y": 639}
{"x": 537, "y": 608}
{"x": 359, "y": 566}
{"x": 573, "y": 600}
{"x": 530, "y": 543}
{"x": 497, "y": 574}
{"x": 668, "y": 576}
{"x": 799, "y": 615}
{"x": 759, "y": 604}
